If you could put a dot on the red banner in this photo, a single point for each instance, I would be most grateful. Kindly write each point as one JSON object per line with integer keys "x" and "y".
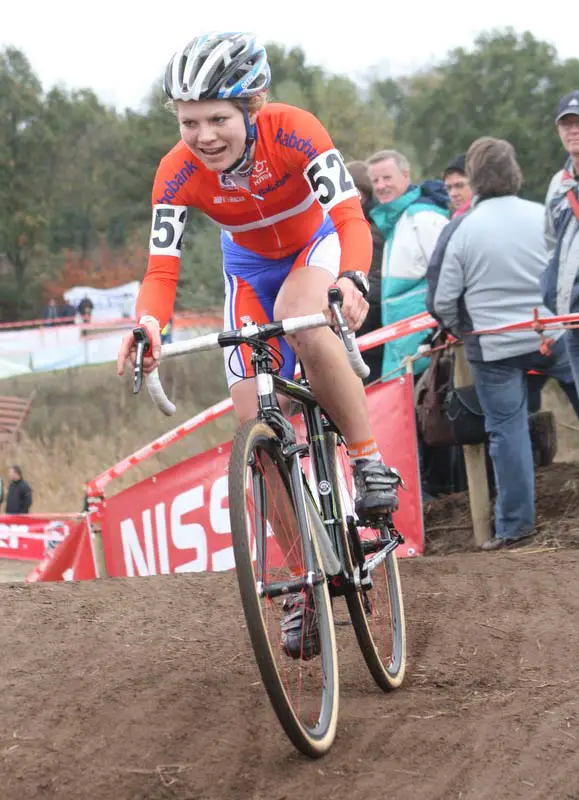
{"x": 178, "y": 520}
{"x": 30, "y": 538}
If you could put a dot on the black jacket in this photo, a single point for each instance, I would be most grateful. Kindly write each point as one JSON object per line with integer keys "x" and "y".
{"x": 373, "y": 357}
{"x": 375, "y": 273}
{"x": 19, "y": 498}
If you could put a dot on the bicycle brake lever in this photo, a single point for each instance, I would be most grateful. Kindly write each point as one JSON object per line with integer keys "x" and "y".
{"x": 335, "y": 298}
{"x": 143, "y": 343}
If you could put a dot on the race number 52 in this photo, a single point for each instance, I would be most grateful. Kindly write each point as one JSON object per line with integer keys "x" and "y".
{"x": 167, "y": 230}
{"x": 330, "y": 180}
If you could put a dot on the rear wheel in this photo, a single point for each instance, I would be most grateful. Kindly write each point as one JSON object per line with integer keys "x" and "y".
{"x": 376, "y": 608}
{"x": 268, "y": 543}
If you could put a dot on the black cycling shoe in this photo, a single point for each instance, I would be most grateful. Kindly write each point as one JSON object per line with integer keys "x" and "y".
{"x": 376, "y": 487}
{"x": 300, "y": 637}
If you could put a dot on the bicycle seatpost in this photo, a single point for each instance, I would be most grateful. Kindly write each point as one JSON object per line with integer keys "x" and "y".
{"x": 143, "y": 343}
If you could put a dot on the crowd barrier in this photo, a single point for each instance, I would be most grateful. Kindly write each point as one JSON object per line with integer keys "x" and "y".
{"x": 178, "y": 521}
{"x": 180, "y": 319}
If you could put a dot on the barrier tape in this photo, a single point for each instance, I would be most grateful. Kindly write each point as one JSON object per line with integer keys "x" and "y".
{"x": 181, "y": 319}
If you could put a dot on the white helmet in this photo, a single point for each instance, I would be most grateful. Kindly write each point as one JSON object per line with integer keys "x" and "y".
{"x": 218, "y": 66}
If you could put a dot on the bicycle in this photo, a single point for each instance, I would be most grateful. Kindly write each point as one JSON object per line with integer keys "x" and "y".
{"x": 302, "y": 537}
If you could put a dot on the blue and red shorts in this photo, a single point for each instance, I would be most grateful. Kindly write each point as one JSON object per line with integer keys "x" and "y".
{"x": 252, "y": 283}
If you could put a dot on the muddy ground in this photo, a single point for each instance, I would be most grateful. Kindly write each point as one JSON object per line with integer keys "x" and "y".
{"x": 147, "y": 689}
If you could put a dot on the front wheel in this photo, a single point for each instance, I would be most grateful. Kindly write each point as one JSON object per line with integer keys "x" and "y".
{"x": 268, "y": 543}
{"x": 376, "y": 607}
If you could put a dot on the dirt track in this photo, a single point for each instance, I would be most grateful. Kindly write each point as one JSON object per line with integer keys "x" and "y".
{"x": 147, "y": 690}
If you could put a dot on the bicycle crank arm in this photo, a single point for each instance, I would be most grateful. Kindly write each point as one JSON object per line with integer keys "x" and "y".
{"x": 288, "y": 587}
{"x": 380, "y": 556}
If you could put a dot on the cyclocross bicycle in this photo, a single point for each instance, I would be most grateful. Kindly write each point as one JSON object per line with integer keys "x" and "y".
{"x": 295, "y": 533}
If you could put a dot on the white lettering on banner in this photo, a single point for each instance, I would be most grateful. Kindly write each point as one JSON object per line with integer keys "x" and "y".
{"x": 9, "y": 535}
{"x": 184, "y": 536}
{"x": 149, "y": 544}
{"x": 132, "y": 553}
{"x": 161, "y": 524}
{"x": 189, "y": 536}
{"x": 221, "y": 560}
{"x": 10, "y": 542}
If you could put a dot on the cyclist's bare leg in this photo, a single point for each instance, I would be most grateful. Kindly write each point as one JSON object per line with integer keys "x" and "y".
{"x": 244, "y": 397}
{"x": 337, "y": 388}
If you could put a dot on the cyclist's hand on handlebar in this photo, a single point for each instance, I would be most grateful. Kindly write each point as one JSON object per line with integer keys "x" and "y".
{"x": 354, "y": 306}
{"x": 128, "y": 349}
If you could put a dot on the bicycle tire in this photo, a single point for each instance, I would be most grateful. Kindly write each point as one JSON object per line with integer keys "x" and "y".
{"x": 388, "y": 672}
{"x": 312, "y": 740}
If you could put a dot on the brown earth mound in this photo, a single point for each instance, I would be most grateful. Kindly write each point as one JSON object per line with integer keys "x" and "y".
{"x": 448, "y": 527}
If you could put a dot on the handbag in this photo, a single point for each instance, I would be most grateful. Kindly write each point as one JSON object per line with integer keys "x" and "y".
{"x": 447, "y": 414}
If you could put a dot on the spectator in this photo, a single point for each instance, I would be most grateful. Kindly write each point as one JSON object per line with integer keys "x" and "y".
{"x": 85, "y": 309}
{"x": 51, "y": 312}
{"x": 457, "y": 186}
{"x": 128, "y": 306}
{"x": 560, "y": 281}
{"x": 373, "y": 358}
{"x": 410, "y": 218}
{"x": 68, "y": 313}
{"x": 19, "y": 497}
{"x": 476, "y": 281}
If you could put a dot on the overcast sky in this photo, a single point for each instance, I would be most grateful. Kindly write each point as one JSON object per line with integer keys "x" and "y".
{"x": 120, "y": 48}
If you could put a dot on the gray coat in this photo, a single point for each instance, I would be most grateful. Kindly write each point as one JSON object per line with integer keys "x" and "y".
{"x": 484, "y": 273}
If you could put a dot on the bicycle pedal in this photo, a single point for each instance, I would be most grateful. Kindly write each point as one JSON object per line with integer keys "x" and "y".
{"x": 370, "y": 546}
{"x": 378, "y": 522}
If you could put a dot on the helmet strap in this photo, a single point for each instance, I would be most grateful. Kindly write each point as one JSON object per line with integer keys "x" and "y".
{"x": 244, "y": 163}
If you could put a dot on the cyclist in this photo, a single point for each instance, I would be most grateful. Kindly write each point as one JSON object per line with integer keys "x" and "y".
{"x": 291, "y": 226}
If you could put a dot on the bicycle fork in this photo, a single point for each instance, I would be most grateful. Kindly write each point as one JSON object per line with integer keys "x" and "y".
{"x": 314, "y": 572}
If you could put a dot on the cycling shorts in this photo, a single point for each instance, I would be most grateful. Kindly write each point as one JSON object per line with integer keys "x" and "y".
{"x": 252, "y": 283}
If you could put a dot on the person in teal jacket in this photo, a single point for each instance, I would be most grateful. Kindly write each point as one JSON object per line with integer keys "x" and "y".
{"x": 410, "y": 217}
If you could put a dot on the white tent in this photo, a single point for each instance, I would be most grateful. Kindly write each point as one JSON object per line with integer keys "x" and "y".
{"x": 112, "y": 303}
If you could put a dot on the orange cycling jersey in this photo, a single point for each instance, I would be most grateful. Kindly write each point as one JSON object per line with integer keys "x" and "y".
{"x": 298, "y": 178}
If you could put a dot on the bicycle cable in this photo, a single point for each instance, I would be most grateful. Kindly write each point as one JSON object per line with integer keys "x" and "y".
{"x": 258, "y": 346}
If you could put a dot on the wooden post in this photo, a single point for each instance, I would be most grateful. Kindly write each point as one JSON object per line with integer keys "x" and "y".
{"x": 98, "y": 551}
{"x": 96, "y": 538}
{"x": 474, "y": 459}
